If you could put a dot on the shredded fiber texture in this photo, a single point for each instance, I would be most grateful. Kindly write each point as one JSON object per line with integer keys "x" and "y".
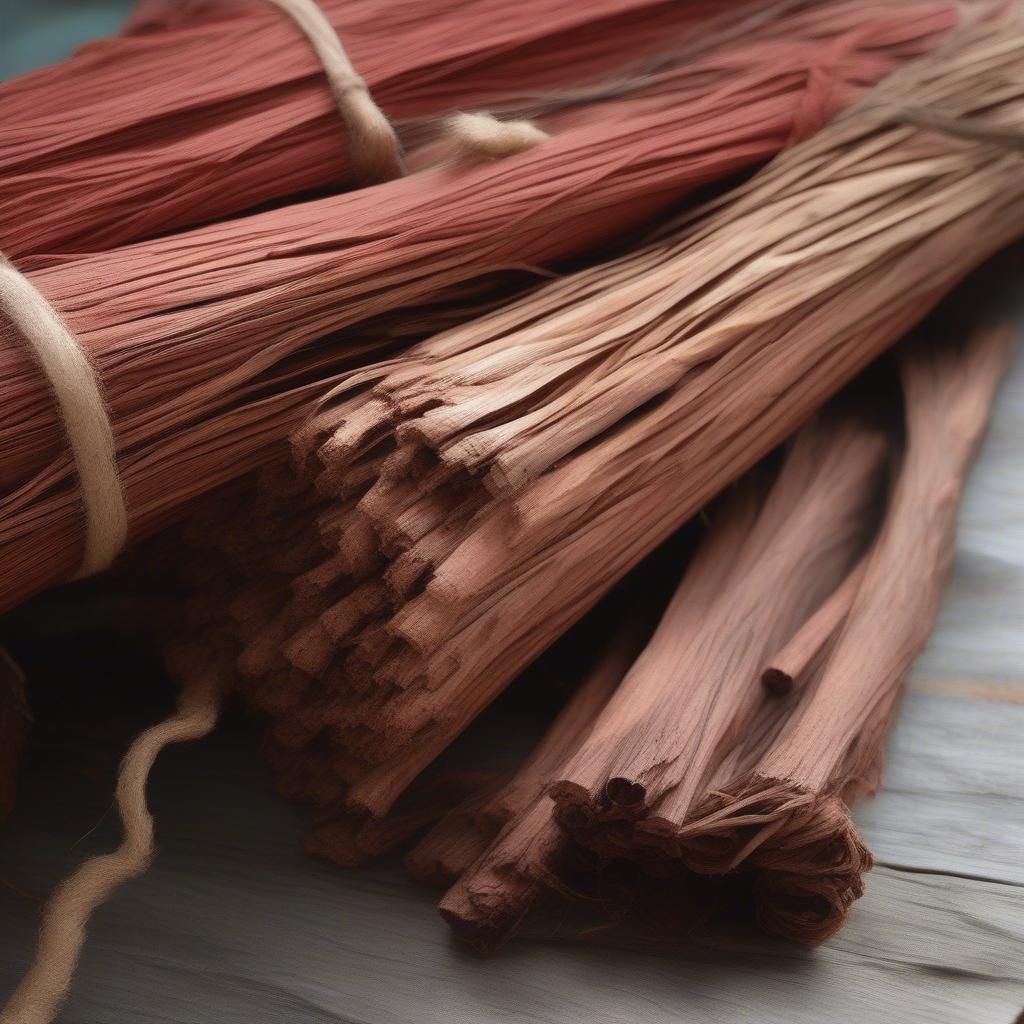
{"x": 452, "y": 512}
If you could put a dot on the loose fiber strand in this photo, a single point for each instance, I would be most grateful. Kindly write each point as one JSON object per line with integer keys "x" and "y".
{"x": 44, "y": 988}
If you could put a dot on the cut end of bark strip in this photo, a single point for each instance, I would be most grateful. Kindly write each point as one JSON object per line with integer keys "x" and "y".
{"x": 806, "y": 851}
{"x": 485, "y": 906}
{"x": 625, "y": 793}
{"x": 775, "y": 680}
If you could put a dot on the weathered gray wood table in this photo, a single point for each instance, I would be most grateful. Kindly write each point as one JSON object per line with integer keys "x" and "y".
{"x": 234, "y": 923}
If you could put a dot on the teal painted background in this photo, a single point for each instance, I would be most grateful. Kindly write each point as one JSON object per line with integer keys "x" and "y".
{"x": 37, "y": 32}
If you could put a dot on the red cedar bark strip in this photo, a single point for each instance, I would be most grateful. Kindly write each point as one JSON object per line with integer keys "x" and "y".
{"x": 351, "y": 841}
{"x": 788, "y": 818}
{"x": 789, "y": 667}
{"x": 766, "y": 308}
{"x": 491, "y": 898}
{"x": 209, "y": 342}
{"x": 450, "y": 847}
{"x": 569, "y": 727}
{"x": 461, "y": 836}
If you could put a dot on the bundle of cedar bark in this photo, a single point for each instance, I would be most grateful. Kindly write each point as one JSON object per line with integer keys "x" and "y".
{"x": 418, "y": 469}
{"x": 454, "y": 510}
{"x": 212, "y": 343}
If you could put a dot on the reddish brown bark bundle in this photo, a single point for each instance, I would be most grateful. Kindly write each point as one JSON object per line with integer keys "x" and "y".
{"x": 691, "y": 768}
{"x": 384, "y": 595}
{"x": 686, "y": 714}
{"x": 196, "y": 114}
{"x": 788, "y": 816}
{"x": 209, "y": 342}
{"x": 417, "y": 582}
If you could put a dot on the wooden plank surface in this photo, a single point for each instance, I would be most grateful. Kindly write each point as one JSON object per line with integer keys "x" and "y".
{"x": 235, "y": 924}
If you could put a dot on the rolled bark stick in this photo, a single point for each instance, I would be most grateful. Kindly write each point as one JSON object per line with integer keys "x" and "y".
{"x": 788, "y": 668}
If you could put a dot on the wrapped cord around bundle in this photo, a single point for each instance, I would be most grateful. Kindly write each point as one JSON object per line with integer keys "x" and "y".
{"x": 376, "y": 151}
{"x": 377, "y": 154}
{"x": 80, "y": 400}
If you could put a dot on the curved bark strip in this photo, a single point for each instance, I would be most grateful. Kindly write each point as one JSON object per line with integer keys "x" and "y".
{"x": 779, "y": 808}
{"x": 790, "y": 667}
{"x": 516, "y": 837}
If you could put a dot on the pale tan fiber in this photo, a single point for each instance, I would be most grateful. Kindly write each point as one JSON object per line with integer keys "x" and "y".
{"x": 42, "y": 991}
{"x": 483, "y": 135}
{"x": 77, "y": 391}
{"x": 375, "y": 151}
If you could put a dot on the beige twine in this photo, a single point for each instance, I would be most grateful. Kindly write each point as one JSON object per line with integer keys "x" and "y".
{"x": 62, "y": 931}
{"x": 74, "y": 383}
{"x": 471, "y": 137}
{"x": 483, "y": 135}
{"x": 376, "y": 153}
